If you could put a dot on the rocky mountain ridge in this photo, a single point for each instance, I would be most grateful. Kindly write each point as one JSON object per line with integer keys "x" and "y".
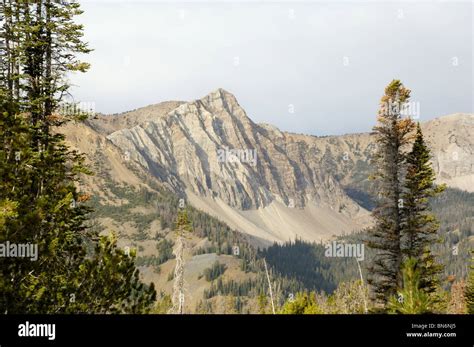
{"x": 270, "y": 184}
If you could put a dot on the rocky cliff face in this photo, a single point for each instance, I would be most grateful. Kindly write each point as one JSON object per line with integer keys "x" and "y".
{"x": 270, "y": 184}
{"x": 210, "y": 147}
{"x": 449, "y": 137}
{"x": 452, "y": 144}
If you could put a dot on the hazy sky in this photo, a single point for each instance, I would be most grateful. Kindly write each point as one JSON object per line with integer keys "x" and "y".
{"x": 311, "y": 67}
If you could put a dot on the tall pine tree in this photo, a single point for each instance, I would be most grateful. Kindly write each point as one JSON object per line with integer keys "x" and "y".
{"x": 419, "y": 225}
{"x": 392, "y": 135}
{"x": 39, "y": 202}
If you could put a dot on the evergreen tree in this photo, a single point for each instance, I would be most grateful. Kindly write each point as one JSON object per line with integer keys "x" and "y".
{"x": 419, "y": 224}
{"x": 164, "y": 304}
{"x": 411, "y": 299}
{"x": 108, "y": 282}
{"x": 262, "y": 301}
{"x": 303, "y": 303}
{"x": 183, "y": 224}
{"x": 40, "y": 202}
{"x": 392, "y": 134}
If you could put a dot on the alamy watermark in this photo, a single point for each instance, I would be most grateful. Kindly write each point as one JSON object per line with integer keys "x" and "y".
{"x": 225, "y": 155}
{"x": 345, "y": 250}
{"x": 406, "y": 109}
{"x": 37, "y": 330}
{"x": 19, "y": 250}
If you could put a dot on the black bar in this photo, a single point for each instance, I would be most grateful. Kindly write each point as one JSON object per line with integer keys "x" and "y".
{"x": 245, "y": 330}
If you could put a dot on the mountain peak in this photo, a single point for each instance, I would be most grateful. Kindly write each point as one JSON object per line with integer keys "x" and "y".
{"x": 219, "y": 103}
{"x": 221, "y": 92}
{"x": 225, "y": 97}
